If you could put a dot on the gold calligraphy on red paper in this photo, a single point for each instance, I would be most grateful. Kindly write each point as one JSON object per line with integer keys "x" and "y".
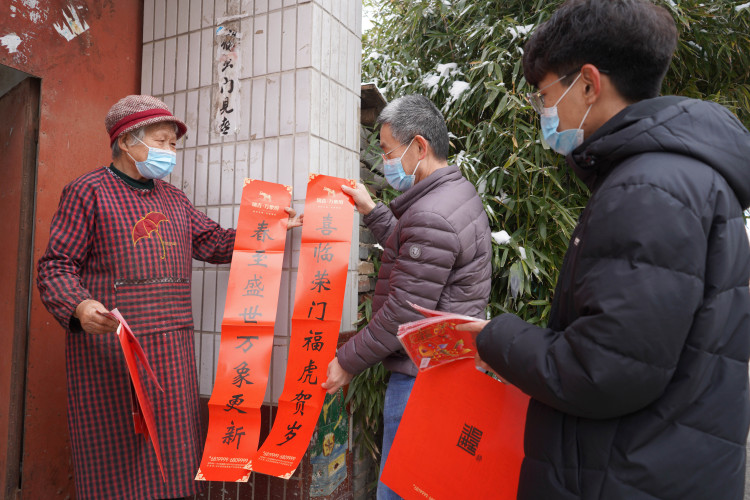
{"x": 246, "y": 332}
{"x": 316, "y": 321}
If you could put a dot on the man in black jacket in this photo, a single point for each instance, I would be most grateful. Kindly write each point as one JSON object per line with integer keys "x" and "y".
{"x": 639, "y": 383}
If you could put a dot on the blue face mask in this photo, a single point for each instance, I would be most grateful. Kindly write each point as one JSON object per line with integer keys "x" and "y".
{"x": 159, "y": 162}
{"x": 566, "y": 141}
{"x": 395, "y": 174}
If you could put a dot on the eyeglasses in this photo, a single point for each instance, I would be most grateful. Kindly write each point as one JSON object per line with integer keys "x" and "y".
{"x": 386, "y": 156}
{"x": 536, "y": 99}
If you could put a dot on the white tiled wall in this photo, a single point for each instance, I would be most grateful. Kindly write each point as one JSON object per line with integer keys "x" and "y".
{"x": 299, "y": 108}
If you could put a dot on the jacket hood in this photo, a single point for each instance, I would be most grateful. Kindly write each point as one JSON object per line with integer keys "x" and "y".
{"x": 700, "y": 129}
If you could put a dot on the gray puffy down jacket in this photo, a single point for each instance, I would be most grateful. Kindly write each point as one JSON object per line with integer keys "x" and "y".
{"x": 437, "y": 254}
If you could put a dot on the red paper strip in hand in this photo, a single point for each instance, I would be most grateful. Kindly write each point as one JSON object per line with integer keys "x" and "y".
{"x": 246, "y": 332}
{"x": 316, "y": 321}
{"x": 143, "y": 413}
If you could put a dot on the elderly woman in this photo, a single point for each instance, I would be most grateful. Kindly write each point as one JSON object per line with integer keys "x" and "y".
{"x": 123, "y": 238}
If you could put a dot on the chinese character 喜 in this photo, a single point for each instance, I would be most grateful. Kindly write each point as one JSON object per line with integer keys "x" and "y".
{"x": 327, "y": 227}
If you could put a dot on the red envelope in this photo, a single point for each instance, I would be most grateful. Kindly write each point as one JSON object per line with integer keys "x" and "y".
{"x": 461, "y": 436}
{"x": 143, "y": 413}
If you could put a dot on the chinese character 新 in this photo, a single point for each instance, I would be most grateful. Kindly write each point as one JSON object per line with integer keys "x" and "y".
{"x": 233, "y": 433}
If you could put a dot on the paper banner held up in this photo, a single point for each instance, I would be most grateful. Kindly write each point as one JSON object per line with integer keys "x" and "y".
{"x": 461, "y": 436}
{"x": 247, "y": 331}
{"x": 316, "y": 320}
{"x": 144, "y": 421}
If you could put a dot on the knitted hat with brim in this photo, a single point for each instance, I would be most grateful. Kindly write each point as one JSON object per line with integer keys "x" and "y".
{"x": 135, "y": 111}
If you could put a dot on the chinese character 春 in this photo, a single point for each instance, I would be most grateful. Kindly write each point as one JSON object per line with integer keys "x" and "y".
{"x": 247, "y": 340}
{"x": 322, "y": 252}
{"x": 301, "y": 399}
{"x": 323, "y": 312}
{"x": 469, "y": 439}
{"x": 327, "y": 228}
{"x": 314, "y": 341}
{"x": 249, "y": 314}
{"x": 233, "y": 433}
{"x": 290, "y": 435}
{"x": 254, "y": 287}
{"x": 237, "y": 399}
{"x": 307, "y": 374}
{"x": 320, "y": 281}
{"x": 261, "y": 233}
{"x": 242, "y": 371}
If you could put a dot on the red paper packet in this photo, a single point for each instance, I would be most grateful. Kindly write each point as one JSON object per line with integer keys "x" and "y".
{"x": 434, "y": 340}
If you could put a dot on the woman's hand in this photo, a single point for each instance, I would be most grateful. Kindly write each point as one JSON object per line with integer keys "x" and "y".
{"x": 294, "y": 220}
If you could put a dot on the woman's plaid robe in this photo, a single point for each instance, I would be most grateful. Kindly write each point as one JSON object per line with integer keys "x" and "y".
{"x": 131, "y": 249}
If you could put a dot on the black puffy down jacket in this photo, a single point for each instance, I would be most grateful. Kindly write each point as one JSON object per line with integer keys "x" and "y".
{"x": 639, "y": 384}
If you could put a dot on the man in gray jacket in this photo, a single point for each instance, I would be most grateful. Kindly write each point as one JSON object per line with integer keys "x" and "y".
{"x": 437, "y": 251}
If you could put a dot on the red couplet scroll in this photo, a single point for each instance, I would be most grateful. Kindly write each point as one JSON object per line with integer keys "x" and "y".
{"x": 246, "y": 332}
{"x": 143, "y": 413}
{"x": 316, "y": 320}
{"x": 461, "y": 436}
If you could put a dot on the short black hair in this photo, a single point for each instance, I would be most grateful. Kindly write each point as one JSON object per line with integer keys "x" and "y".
{"x": 413, "y": 115}
{"x": 632, "y": 40}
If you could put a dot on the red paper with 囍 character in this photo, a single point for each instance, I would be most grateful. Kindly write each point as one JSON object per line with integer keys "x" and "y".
{"x": 461, "y": 436}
